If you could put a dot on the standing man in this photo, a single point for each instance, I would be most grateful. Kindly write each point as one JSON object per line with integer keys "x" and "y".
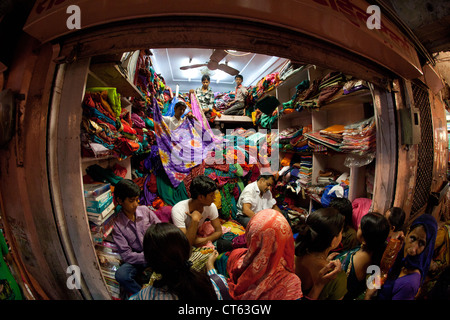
{"x": 205, "y": 96}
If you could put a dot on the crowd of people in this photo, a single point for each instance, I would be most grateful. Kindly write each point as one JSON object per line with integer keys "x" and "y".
{"x": 327, "y": 259}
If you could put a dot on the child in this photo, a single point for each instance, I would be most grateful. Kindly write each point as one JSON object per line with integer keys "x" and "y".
{"x": 205, "y": 96}
{"x": 372, "y": 233}
{"x": 128, "y": 233}
{"x": 175, "y": 121}
{"x": 396, "y": 218}
{"x": 190, "y": 214}
{"x": 237, "y": 106}
{"x": 167, "y": 251}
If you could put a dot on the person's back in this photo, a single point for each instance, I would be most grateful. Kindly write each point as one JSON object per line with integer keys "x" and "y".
{"x": 167, "y": 252}
{"x": 344, "y": 206}
{"x": 321, "y": 232}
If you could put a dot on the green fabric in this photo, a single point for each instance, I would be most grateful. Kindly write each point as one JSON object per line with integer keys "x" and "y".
{"x": 101, "y": 174}
{"x": 335, "y": 289}
{"x": 168, "y": 193}
{"x": 11, "y": 290}
{"x": 113, "y": 96}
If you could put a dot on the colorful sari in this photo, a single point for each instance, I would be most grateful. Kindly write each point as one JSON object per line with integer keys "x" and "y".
{"x": 183, "y": 148}
{"x": 265, "y": 270}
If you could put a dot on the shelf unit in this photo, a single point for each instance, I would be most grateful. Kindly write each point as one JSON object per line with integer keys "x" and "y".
{"x": 343, "y": 110}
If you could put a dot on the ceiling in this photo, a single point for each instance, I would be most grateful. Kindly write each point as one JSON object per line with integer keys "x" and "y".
{"x": 251, "y": 66}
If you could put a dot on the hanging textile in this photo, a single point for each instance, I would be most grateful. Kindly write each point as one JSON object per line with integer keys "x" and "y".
{"x": 200, "y": 115}
{"x": 183, "y": 148}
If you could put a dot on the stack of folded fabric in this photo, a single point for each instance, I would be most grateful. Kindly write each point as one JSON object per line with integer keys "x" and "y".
{"x": 305, "y": 170}
{"x": 354, "y": 85}
{"x": 360, "y": 137}
{"x": 333, "y": 132}
{"x": 109, "y": 130}
{"x": 326, "y": 177}
{"x": 293, "y": 139}
{"x": 222, "y": 99}
{"x": 317, "y": 139}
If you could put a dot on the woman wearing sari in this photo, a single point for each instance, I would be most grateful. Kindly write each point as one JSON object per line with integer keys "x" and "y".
{"x": 265, "y": 270}
{"x": 412, "y": 263}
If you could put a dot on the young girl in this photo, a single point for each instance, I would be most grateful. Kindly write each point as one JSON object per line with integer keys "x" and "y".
{"x": 321, "y": 233}
{"x": 396, "y": 218}
{"x": 167, "y": 252}
{"x": 372, "y": 233}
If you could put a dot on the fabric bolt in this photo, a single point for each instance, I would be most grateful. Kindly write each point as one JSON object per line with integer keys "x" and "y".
{"x": 265, "y": 270}
{"x": 167, "y": 192}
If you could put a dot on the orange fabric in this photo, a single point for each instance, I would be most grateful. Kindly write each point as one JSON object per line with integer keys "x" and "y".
{"x": 337, "y": 128}
{"x": 265, "y": 270}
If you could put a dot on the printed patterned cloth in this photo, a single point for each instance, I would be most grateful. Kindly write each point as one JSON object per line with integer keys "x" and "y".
{"x": 183, "y": 148}
{"x": 266, "y": 269}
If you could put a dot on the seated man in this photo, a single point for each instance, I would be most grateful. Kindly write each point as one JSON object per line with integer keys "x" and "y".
{"x": 190, "y": 214}
{"x": 255, "y": 197}
{"x": 128, "y": 233}
{"x": 237, "y": 106}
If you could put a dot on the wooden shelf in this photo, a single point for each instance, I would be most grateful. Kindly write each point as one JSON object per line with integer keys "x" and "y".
{"x": 343, "y": 101}
{"x": 230, "y": 118}
{"x": 109, "y": 74}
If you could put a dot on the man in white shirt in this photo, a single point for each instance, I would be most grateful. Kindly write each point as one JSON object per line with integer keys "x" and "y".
{"x": 190, "y": 214}
{"x": 255, "y": 197}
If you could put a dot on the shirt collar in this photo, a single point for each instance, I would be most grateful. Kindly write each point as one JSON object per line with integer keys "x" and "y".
{"x": 124, "y": 220}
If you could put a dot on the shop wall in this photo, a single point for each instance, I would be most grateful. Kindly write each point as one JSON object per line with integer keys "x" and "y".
{"x": 28, "y": 214}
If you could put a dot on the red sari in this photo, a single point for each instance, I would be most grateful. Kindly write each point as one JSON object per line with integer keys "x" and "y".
{"x": 265, "y": 270}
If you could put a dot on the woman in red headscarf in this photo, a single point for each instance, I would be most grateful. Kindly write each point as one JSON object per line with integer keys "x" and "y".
{"x": 265, "y": 270}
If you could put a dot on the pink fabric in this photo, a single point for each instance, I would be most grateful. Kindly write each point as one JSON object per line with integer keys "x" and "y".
{"x": 164, "y": 214}
{"x": 207, "y": 229}
{"x": 361, "y": 207}
{"x": 198, "y": 113}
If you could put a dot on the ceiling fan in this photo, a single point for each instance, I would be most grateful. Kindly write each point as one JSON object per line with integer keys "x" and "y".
{"x": 213, "y": 63}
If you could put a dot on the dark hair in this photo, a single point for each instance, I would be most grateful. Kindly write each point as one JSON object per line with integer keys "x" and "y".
{"x": 267, "y": 177}
{"x": 317, "y": 233}
{"x": 202, "y": 185}
{"x": 126, "y": 188}
{"x": 239, "y": 76}
{"x": 180, "y": 104}
{"x": 375, "y": 230}
{"x": 397, "y": 218}
{"x": 344, "y": 206}
{"x": 206, "y": 77}
{"x": 167, "y": 252}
